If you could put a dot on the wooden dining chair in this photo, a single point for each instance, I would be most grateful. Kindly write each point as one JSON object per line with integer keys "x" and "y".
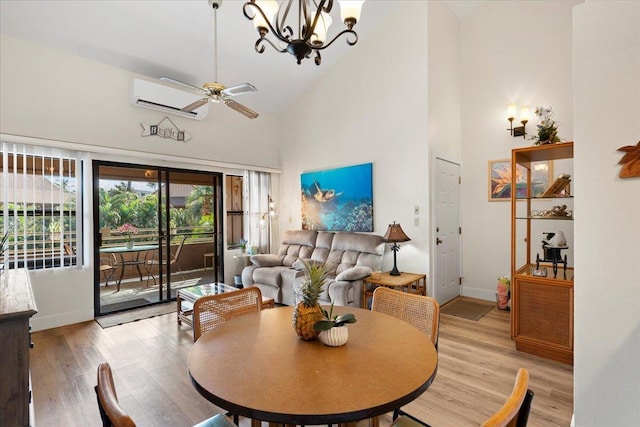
{"x": 420, "y": 311}
{"x": 212, "y": 310}
{"x": 417, "y": 310}
{"x": 113, "y": 415}
{"x": 514, "y": 412}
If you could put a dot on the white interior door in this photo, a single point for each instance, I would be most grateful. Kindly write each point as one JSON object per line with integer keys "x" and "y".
{"x": 446, "y": 247}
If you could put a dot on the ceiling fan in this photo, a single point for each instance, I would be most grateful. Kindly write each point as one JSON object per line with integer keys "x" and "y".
{"x": 214, "y": 91}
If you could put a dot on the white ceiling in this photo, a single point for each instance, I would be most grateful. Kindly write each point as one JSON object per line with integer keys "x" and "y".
{"x": 175, "y": 39}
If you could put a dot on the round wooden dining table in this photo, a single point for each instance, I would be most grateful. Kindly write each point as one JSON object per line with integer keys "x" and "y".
{"x": 256, "y": 366}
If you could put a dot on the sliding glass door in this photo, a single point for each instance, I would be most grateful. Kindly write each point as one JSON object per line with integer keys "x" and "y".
{"x": 156, "y": 230}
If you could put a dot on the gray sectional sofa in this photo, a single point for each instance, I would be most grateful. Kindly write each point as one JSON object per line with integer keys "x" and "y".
{"x": 349, "y": 257}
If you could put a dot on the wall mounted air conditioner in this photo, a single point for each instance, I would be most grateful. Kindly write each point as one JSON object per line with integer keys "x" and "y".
{"x": 157, "y": 96}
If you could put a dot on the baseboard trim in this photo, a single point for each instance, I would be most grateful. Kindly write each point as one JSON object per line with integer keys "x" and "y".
{"x": 41, "y": 323}
{"x": 470, "y": 292}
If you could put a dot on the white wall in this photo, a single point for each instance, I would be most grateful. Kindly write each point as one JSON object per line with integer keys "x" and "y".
{"x": 59, "y": 96}
{"x": 511, "y": 52}
{"x": 444, "y": 81}
{"x": 371, "y": 107}
{"x": 606, "y": 63}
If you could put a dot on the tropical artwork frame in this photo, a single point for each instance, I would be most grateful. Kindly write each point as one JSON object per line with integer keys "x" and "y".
{"x": 500, "y": 179}
{"x": 338, "y": 199}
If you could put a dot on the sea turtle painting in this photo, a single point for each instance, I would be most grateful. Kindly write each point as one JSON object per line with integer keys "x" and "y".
{"x": 324, "y": 195}
{"x": 338, "y": 199}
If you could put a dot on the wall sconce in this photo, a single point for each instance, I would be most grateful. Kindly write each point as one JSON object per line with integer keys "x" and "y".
{"x": 524, "y": 119}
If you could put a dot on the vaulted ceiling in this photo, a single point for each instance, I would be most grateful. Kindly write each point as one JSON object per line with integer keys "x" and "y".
{"x": 175, "y": 39}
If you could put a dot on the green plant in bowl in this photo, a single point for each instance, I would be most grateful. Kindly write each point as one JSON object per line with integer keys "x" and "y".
{"x": 333, "y": 321}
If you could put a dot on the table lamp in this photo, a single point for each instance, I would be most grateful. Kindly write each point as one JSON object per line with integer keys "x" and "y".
{"x": 395, "y": 235}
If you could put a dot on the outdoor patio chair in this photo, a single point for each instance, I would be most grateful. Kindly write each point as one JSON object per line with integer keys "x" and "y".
{"x": 112, "y": 413}
{"x": 108, "y": 269}
{"x": 156, "y": 263}
{"x": 420, "y": 311}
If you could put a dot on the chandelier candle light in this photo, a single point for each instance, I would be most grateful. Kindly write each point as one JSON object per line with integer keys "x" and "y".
{"x": 313, "y": 25}
{"x": 395, "y": 235}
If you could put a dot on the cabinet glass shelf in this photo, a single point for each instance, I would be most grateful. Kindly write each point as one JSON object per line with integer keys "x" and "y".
{"x": 543, "y": 198}
{"x": 554, "y": 218}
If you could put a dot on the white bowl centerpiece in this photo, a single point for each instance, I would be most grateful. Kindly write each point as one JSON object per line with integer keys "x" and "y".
{"x": 332, "y": 328}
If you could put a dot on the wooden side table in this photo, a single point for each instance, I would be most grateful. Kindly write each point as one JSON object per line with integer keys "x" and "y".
{"x": 405, "y": 282}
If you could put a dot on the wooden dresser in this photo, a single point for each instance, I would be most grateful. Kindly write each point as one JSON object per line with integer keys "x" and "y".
{"x": 17, "y": 305}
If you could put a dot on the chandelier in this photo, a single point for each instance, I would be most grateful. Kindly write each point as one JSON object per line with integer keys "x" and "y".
{"x": 313, "y": 25}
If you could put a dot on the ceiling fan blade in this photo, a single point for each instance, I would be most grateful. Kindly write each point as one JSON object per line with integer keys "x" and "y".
{"x": 199, "y": 103}
{"x": 238, "y": 89}
{"x": 178, "y": 82}
{"x": 241, "y": 109}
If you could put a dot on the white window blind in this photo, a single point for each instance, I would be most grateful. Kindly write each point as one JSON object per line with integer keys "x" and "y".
{"x": 40, "y": 202}
{"x": 257, "y": 187}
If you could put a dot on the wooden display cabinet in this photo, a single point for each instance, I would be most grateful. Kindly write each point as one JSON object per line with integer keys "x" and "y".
{"x": 541, "y": 306}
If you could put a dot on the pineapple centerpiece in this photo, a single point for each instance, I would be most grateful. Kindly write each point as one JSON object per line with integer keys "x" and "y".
{"x": 308, "y": 312}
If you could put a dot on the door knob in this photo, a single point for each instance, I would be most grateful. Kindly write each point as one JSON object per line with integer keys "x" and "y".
{"x": 438, "y": 240}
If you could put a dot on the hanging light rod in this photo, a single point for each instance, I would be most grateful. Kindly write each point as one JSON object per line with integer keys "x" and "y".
{"x": 313, "y": 25}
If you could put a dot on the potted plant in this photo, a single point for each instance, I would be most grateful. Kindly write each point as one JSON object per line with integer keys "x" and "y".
{"x": 54, "y": 230}
{"x": 331, "y": 331}
{"x": 127, "y": 230}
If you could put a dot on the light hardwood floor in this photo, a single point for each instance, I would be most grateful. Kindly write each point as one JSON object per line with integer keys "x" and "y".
{"x": 477, "y": 367}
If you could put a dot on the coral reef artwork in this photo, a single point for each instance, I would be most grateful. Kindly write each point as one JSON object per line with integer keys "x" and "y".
{"x": 339, "y": 199}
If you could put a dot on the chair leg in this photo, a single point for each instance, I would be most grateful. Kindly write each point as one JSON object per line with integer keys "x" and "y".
{"x": 396, "y": 414}
{"x": 150, "y": 274}
{"x": 181, "y": 273}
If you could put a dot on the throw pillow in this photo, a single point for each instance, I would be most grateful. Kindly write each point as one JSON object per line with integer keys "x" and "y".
{"x": 355, "y": 273}
{"x": 266, "y": 260}
{"x": 298, "y": 265}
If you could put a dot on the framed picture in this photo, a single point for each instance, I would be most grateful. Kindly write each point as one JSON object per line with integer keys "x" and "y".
{"x": 339, "y": 199}
{"x": 500, "y": 179}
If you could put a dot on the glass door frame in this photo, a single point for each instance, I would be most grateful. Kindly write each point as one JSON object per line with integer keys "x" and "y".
{"x": 164, "y": 230}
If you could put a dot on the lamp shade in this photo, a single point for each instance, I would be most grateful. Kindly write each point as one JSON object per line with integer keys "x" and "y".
{"x": 270, "y": 8}
{"x": 395, "y": 234}
{"x": 350, "y": 9}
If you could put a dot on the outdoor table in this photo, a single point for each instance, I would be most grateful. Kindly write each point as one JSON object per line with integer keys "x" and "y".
{"x": 120, "y": 251}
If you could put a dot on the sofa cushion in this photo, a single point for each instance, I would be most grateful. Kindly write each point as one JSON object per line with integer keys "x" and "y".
{"x": 355, "y": 273}
{"x": 268, "y": 276}
{"x": 266, "y": 260}
{"x": 354, "y": 249}
{"x": 297, "y": 244}
{"x": 323, "y": 246}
